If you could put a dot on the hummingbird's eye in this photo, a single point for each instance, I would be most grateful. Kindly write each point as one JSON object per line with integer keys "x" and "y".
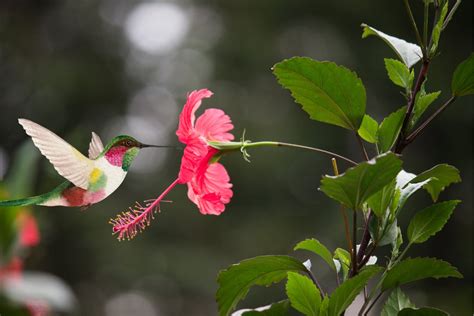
{"x": 128, "y": 143}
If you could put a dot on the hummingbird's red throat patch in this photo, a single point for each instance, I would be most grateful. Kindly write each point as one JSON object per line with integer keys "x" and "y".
{"x": 115, "y": 155}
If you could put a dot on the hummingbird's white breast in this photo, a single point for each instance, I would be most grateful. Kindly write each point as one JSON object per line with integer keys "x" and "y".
{"x": 115, "y": 175}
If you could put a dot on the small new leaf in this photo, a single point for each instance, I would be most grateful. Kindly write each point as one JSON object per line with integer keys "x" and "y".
{"x": 390, "y": 128}
{"x": 437, "y": 29}
{"x": 463, "y": 78}
{"x": 441, "y": 176}
{"x": 368, "y": 129}
{"x": 318, "y": 248}
{"x": 303, "y": 294}
{"x": 399, "y": 73}
{"x": 429, "y": 221}
{"x": 410, "y": 270}
{"x": 395, "y": 303}
{"x": 235, "y": 282}
{"x": 343, "y": 296}
{"x": 409, "y": 53}
{"x": 422, "y": 102}
{"x": 344, "y": 258}
{"x": 328, "y": 93}
{"x": 425, "y": 311}
{"x": 359, "y": 183}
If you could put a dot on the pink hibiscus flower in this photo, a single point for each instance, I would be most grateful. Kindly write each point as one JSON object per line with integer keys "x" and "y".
{"x": 207, "y": 180}
{"x": 208, "y": 183}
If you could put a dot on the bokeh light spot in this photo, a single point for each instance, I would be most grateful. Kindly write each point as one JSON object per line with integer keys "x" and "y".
{"x": 156, "y": 28}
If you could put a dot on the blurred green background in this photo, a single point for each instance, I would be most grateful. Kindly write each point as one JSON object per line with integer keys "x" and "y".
{"x": 121, "y": 66}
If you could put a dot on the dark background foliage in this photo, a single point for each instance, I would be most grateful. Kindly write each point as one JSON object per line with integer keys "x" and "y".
{"x": 119, "y": 66}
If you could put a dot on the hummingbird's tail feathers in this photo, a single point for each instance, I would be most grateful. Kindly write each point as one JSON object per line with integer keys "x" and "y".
{"x": 34, "y": 200}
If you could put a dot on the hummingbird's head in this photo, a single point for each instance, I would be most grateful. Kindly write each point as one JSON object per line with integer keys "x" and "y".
{"x": 122, "y": 150}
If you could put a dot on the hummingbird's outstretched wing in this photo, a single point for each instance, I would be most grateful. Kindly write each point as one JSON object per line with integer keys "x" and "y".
{"x": 67, "y": 160}
{"x": 95, "y": 147}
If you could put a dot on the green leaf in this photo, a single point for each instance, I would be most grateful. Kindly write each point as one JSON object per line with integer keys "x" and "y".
{"x": 422, "y": 102}
{"x": 399, "y": 73}
{"x": 405, "y": 189}
{"x": 410, "y": 270}
{"x": 303, "y": 294}
{"x": 368, "y": 129}
{"x": 343, "y": 295}
{"x": 389, "y": 236}
{"x": 359, "y": 183}
{"x": 323, "y": 311}
{"x": 395, "y": 303}
{"x": 463, "y": 78}
{"x": 328, "y": 93}
{"x": 425, "y": 311}
{"x": 235, "y": 282}
{"x": 409, "y": 53}
{"x": 397, "y": 243}
{"x": 380, "y": 201}
{"x": 429, "y": 221}
{"x": 344, "y": 258}
{"x": 318, "y": 248}
{"x": 390, "y": 128}
{"x": 276, "y": 309}
{"x": 443, "y": 175}
{"x": 437, "y": 29}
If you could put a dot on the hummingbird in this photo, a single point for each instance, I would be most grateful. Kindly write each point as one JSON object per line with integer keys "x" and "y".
{"x": 89, "y": 179}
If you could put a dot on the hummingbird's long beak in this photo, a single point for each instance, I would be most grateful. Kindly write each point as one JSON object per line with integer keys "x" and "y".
{"x": 156, "y": 146}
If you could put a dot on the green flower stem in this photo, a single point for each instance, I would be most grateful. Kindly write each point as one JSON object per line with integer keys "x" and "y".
{"x": 242, "y": 146}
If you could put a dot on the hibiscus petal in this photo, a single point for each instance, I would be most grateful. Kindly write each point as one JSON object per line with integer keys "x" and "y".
{"x": 214, "y": 125}
{"x": 211, "y": 190}
{"x": 192, "y": 158}
{"x": 187, "y": 116}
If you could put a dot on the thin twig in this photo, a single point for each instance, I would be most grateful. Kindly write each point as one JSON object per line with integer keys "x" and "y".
{"x": 367, "y": 256}
{"x": 411, "y": 104}
{"x": 365, "y": 239}
{"x": 425, "y": 23}
{"x": 343, "y": 211}
{"x": 354, "y": 245}
{"x": 373, "y": 303}
{"x": 315, "y": 281}
{"x": 410, "y": 138}
{"x": 415, "y": 28}
{"x": 435, "y": 20}
{"x": 362, "y": 147}
{"x": 450, "y": 14}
